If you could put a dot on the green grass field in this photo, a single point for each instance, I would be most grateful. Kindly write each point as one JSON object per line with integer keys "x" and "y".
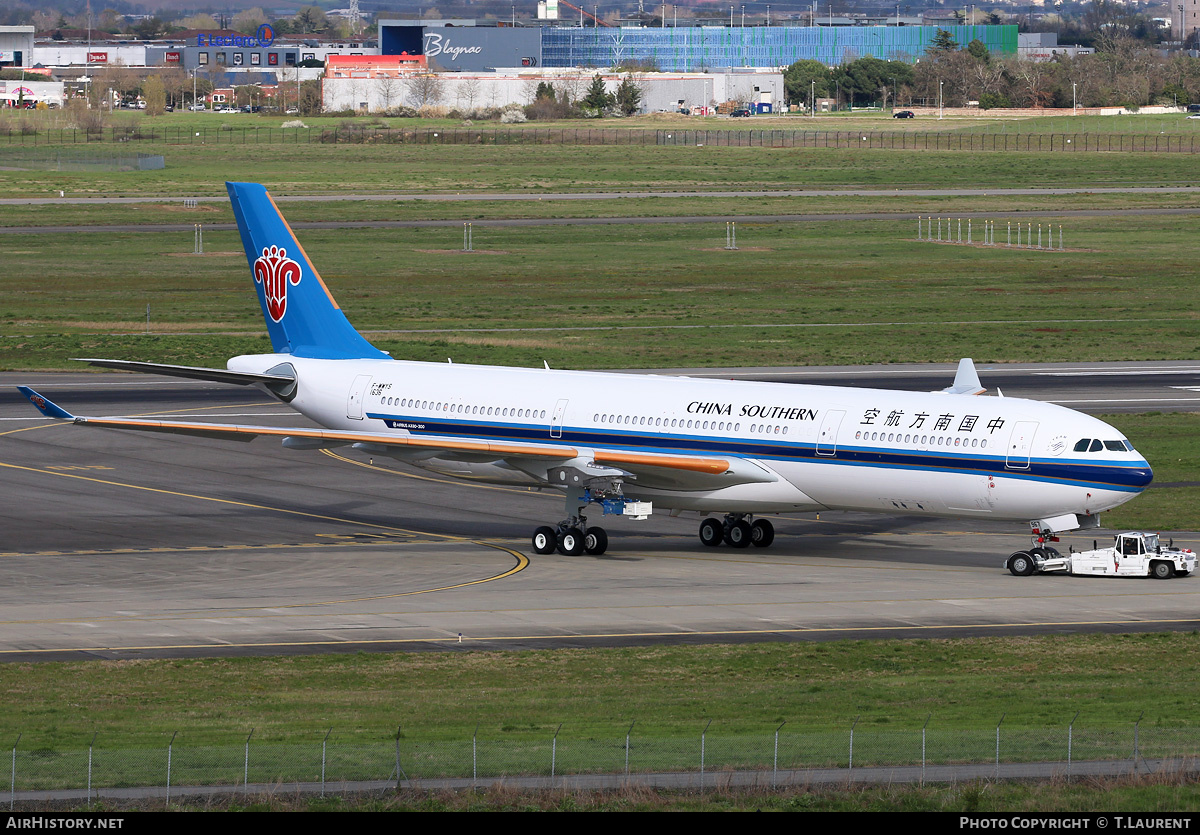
{"x": 199, "y": 170}
{"x": 1036, "y": 683}
{"x": 628, "y": 295}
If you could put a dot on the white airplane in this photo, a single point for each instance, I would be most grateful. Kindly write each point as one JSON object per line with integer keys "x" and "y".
{"x": 628, "y": 444}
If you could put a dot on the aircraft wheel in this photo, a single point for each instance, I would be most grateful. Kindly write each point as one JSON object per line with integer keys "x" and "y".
{"x": 570, "y": 542}
{"x": 739, "y": 534}
{"x": 595, "y": 541}
{"x": 711, "y": 533}
{"x": 545, "y": 540}
{"x": 1021, "y": 564}
{"x": 762, "y": 533}
{"x": 1162, "y": 570}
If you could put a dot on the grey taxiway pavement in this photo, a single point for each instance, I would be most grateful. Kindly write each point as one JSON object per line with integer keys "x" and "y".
{"x": 118, "y": 544}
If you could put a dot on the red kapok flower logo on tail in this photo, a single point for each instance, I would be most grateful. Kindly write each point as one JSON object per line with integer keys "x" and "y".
{"x": 273, "y": 271}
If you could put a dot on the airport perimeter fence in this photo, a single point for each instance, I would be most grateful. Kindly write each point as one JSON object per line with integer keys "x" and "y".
{"x": 407, "y": 761}
{"x": 368, "y": 135}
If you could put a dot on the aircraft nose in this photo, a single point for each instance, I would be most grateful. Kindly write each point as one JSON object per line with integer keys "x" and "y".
{"x": 1141, "y": 475}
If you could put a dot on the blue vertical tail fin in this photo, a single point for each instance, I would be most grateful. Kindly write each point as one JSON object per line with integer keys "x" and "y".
{"x": 301, "y": 315}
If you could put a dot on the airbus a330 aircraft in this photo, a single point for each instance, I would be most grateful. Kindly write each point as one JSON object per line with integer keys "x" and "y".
{"x": 629, "y": 444}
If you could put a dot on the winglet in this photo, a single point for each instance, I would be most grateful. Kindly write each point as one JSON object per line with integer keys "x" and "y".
{"x": 966, "y": 381}
{"x": 46, "y": 407}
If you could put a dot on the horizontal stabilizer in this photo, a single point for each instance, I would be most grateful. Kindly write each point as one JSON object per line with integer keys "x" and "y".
{"x": 217, "y": 375}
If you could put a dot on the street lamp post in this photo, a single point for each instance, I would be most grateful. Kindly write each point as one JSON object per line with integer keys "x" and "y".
{"x": 940, "y": 83}
{"x": 812, "y": 98}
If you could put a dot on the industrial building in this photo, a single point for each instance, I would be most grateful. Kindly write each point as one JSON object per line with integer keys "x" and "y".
{"x": 16, "y": 46}
{"x": 384, "y": 89}
{"x": 473, "y": 46}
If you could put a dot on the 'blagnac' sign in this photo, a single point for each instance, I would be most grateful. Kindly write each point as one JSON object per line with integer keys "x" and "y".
{"x": 435, "y": 44}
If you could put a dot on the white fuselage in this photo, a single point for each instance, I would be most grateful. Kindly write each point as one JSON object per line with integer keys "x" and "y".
{"x": 818, "y": 447}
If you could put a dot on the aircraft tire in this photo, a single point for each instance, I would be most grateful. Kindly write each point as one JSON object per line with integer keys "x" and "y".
{"x": 1021, "y": 564}
{"x": 739, "y": 534}
{"x": 762, "y": 533}
{"x": 711, "y": 533}
{"x": 570, "y": 542}
{"x": 545, "y": 540}
{"x": 595, "y": 541}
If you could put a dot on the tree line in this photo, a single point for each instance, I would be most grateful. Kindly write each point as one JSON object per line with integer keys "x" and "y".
{"x": 1123, "y": 71}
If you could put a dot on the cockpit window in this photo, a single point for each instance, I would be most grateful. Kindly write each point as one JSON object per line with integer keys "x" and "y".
{"x": 1095, "y": 445}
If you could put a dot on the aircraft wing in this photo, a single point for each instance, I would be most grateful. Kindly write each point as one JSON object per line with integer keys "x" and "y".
{"x": 698, "y": 472}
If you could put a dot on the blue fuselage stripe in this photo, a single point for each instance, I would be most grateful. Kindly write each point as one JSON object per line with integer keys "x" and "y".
{"x": 1126, "y": 477}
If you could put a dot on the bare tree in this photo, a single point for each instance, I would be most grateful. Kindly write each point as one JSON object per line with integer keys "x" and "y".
{"x": 573, "y": 86}
{"x": 424, "y": 89}
{"x": 988, "y": 77}
{"x": 467, "y": 93}
{"x": 530, "y": 87}
{"x": 389, "y": 89}
{"x": 1031, "y": 78}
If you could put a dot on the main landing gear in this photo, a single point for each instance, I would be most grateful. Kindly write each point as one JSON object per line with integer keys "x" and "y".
{"x": 736, "y": 531}
{"x": 572, "y": 538}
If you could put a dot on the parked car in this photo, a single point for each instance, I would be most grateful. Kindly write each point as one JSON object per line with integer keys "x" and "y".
{"x": 741, "y": 111}
{"x": 904, "y": 114}
{"x": 198, "y": 106}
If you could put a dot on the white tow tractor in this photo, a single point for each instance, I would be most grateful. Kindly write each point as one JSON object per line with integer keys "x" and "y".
{"x": 1132, "y": 555}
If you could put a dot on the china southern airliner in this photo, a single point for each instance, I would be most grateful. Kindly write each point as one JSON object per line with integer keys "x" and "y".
{"x": 624, "y": 444}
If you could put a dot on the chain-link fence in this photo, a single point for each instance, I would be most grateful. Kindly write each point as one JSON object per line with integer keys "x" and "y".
{"x": 403, "y": 759}
{"x": 373, "y": 135}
